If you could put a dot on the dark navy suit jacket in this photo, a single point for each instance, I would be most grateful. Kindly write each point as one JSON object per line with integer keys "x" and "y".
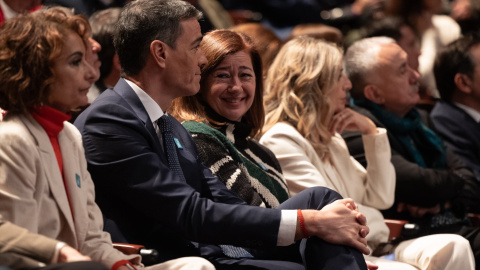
{"x": 144, "y": 202}
{"x": 460, "y": 131}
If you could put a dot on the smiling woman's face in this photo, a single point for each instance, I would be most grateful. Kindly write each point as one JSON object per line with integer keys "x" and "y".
{"x": 73, "y": 76}
{"x": 231, "y": 86}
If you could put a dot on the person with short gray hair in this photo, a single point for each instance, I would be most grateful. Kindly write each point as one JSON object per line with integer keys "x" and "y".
{"x": 432, "y": 183}
{"x": 360, "y": 59}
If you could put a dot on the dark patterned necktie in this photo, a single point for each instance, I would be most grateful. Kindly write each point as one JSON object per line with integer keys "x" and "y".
{"x": 165, "y": 127}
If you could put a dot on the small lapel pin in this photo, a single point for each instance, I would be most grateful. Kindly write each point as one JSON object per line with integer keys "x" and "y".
{"x": 177, "y": 142}
{"x": 262, "y": 166}
{"x": 77, "y": 178}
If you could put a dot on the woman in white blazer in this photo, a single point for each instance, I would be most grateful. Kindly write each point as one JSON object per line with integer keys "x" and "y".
{"x": 306, "y": 110}
{"x": 46, "y": 194}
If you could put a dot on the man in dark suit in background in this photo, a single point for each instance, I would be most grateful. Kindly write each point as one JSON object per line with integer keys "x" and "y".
{"x": 149, "y": 198}
{"x": 457, "y": 116}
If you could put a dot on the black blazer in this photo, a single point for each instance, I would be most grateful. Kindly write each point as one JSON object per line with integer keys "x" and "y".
{"x": 416, "y": 185}
{"x": 460, "y": 132}
{"x": 144, "y": 202}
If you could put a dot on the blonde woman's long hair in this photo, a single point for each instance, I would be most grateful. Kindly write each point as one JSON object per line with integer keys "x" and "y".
{"x": 297, "y": 87}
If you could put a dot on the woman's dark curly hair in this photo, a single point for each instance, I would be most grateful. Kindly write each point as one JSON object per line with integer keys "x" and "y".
{"x": 29, "y": 46}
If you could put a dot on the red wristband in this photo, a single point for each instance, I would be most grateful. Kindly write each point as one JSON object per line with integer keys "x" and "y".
{"x": 302, "y": 223}
{"x": 122, "y": 263}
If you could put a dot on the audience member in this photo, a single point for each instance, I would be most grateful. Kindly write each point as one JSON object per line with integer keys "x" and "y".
{"x": 467, "y": 14}
{"x": 86, "y": 7}
{"x": 11, "y": 8}
{"x": 46, "y": 193}
{"x": 282, "y": 15}
{"x": 103, "y": 26}
{"x": 304, "y": 135}
{"x": 225, "y": 116}
{"x": 318, "y": 31}
{"x": 91, "y": 56}
{"x": 216, "y": 14}
{"x": 404, "y": 35}
{"x": 401, "y": 32}
{"x": 435, "y": 32}
{"x": 457, "y": 117}
{"x": 266, "y": 42}
{"x": 432, "y": 183}
{"x": 175, "y": 198}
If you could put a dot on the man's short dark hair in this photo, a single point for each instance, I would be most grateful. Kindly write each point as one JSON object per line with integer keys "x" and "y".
{"x": 455, "y": 58}
{"x": 143, "y": 21}
{"x": 387, "y": 27}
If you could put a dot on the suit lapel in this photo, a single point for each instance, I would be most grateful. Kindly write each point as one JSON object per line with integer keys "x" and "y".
{"x": 52, "y": 172}
{"x": 73, "y": 178}
{"x": 130, "y": 97}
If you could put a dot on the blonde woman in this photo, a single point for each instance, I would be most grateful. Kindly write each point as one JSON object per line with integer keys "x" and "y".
{"x": 305, "y": 112}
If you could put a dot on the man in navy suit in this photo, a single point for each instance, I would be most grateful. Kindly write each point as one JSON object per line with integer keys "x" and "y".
{"x": 192, "y": 212}
{"x": 457, "y": 116}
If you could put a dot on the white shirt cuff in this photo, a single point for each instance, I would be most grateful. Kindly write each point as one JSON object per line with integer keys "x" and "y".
{"x": 57, "y": 252}
{"x": 288, "y": 227}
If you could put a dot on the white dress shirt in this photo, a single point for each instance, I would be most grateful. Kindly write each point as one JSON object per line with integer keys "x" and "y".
{"x": 472, "y": 112}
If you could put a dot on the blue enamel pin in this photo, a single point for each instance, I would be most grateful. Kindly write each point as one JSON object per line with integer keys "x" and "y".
{"x": 177, "y": 142}
{"x": 77, "y": 178}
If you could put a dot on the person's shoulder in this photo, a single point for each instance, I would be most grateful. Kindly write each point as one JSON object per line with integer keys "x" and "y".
{"x": 13, "y": 124}
{"x": 14, "y": 130}
{"x": 440, "y": 20}
{"x": 71, "y": 131}
{"x": 281, "y": 130}
{"x": 195, "y": 126}
{"x": 201, "y": 128}
{"x": 109, "y": 105}
{"x": 448, "y": 29}
{"x": 281, "y": 127}
{"x": 441, "y": 108}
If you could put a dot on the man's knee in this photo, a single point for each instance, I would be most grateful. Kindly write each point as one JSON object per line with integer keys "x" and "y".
{"x": 322, "y": 195}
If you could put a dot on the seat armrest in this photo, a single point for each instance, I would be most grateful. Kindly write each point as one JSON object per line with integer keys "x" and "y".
{"x": 395, "y": 226}
{"x": 149, "y": 256}
{"x": 128, "y": 249}
{"x": 474, "y": 219}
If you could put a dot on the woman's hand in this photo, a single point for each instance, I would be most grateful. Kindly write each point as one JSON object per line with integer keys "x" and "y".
{"x": 347, "y": 119}
{"x": 69, "y": 254}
